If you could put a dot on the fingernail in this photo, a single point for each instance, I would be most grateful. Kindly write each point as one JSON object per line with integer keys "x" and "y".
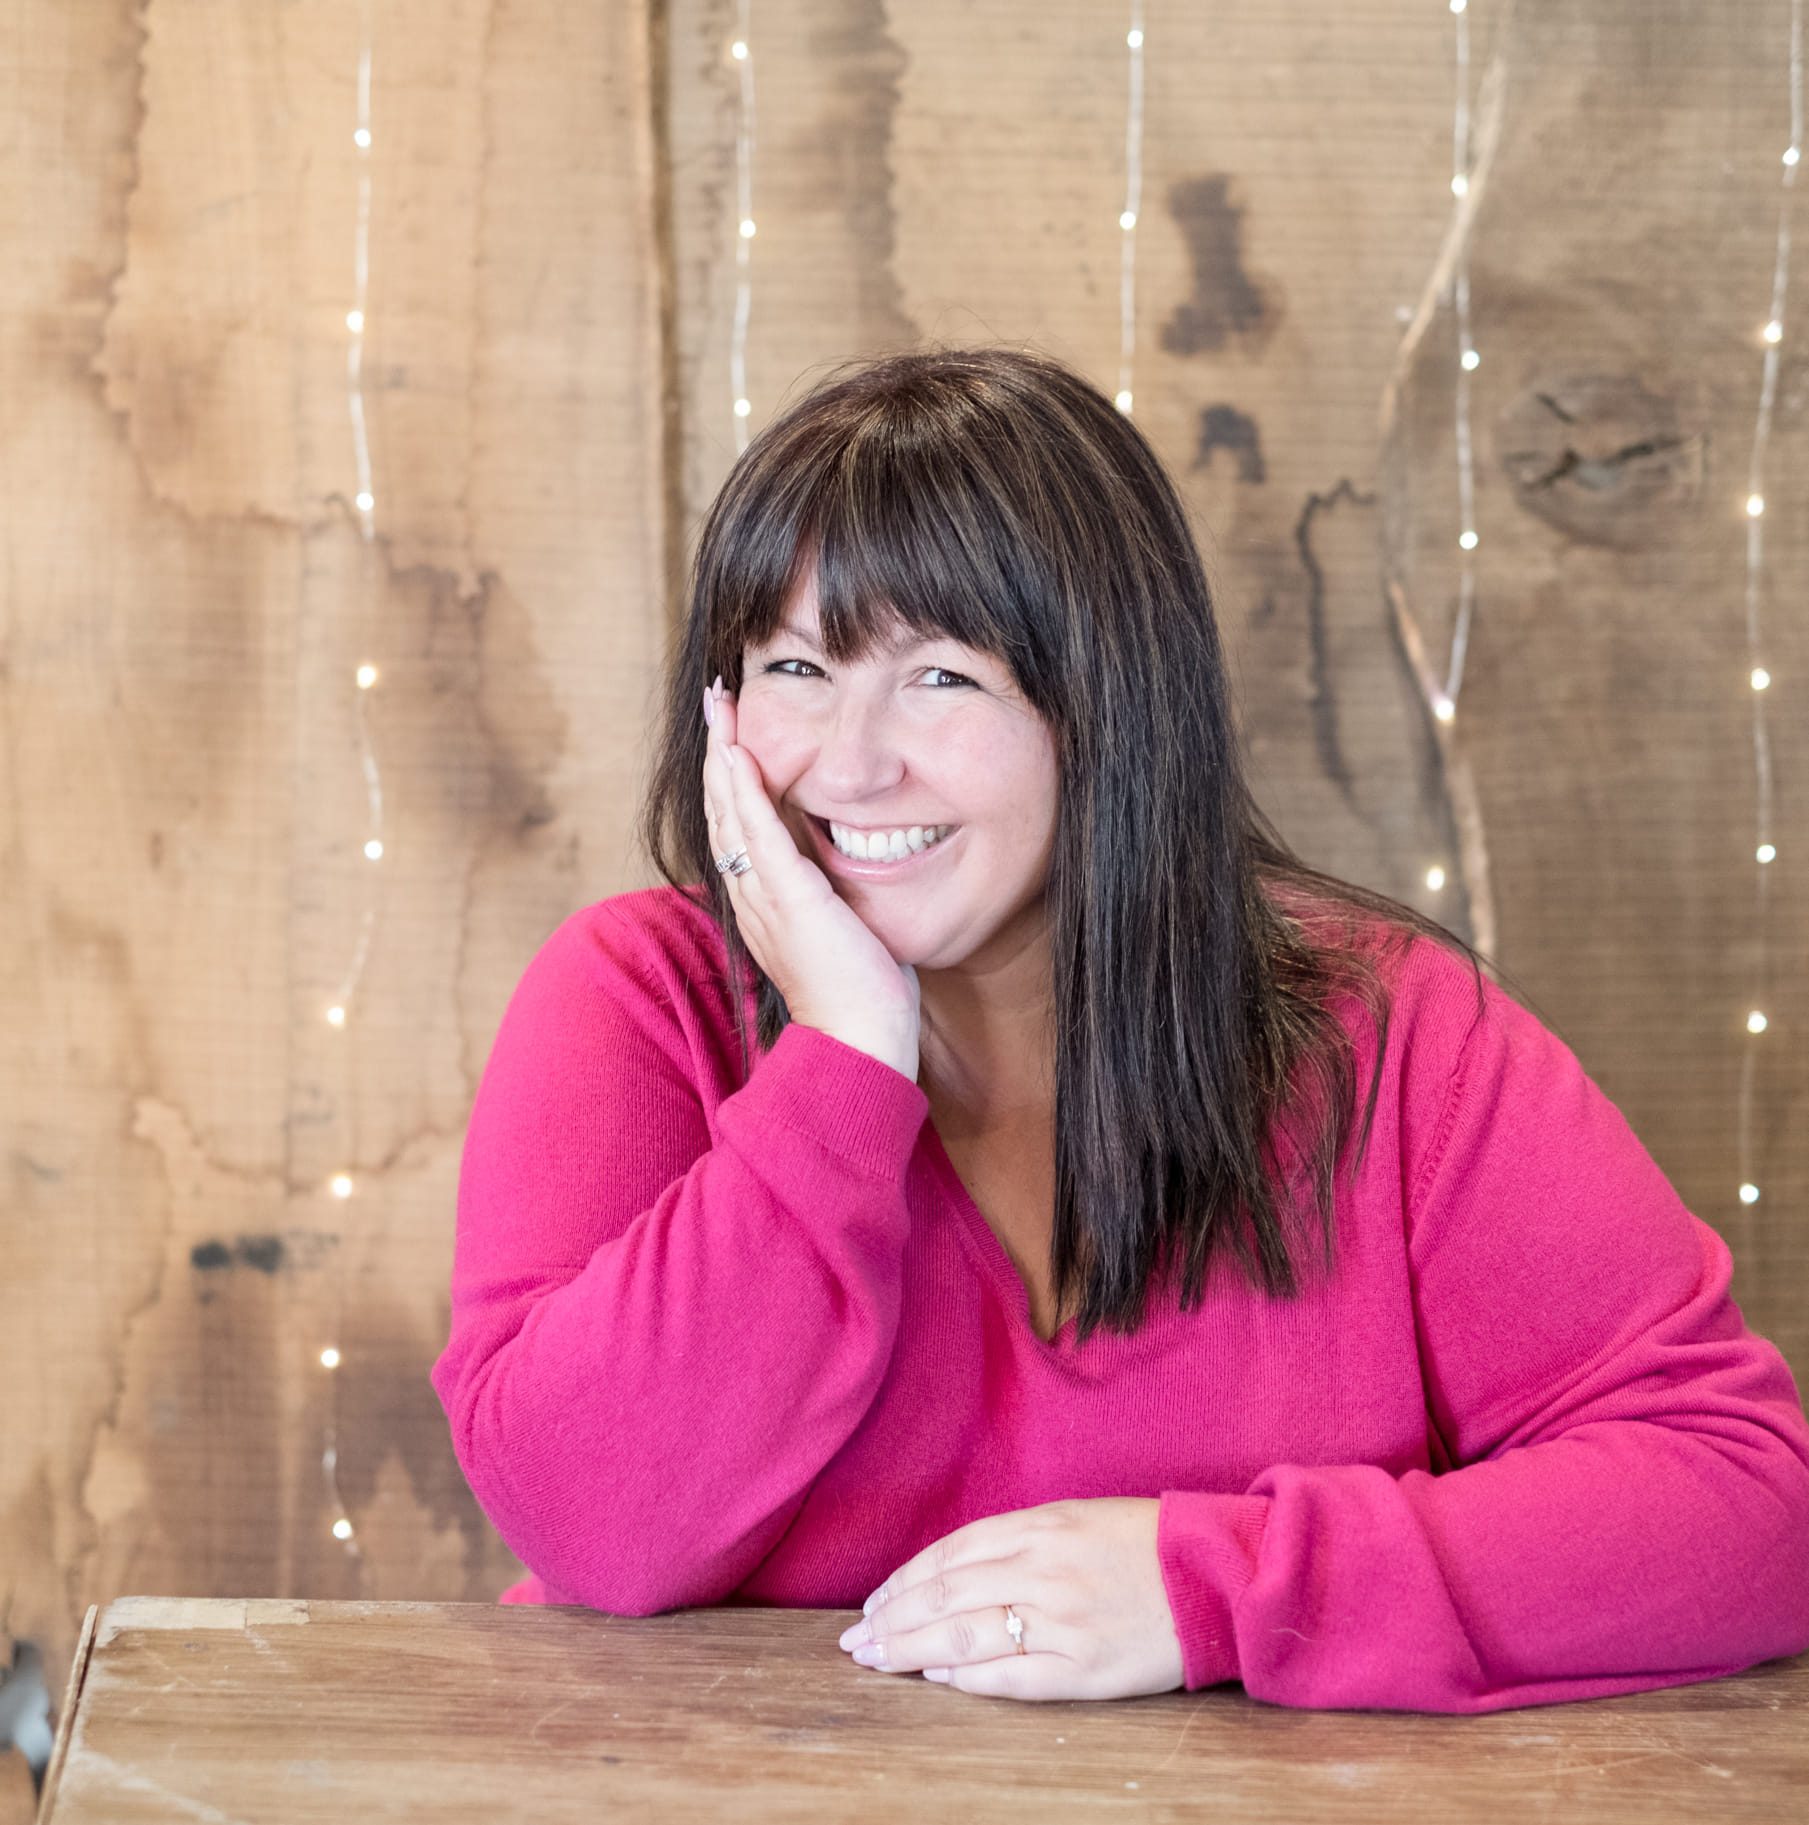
{"x": 709, "y": 711}
{"x": 717, "y": 686}
{"x": 879, "y": 1596}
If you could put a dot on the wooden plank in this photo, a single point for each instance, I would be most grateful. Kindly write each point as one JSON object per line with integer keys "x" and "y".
{"x": 476, "y": 1712}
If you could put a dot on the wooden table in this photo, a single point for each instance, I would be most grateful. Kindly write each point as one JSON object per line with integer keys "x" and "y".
{"x": 281, "y": 1710}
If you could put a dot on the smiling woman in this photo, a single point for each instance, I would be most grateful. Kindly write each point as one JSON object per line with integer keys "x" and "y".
{"x": 1012, "y": 1324}
{"x": 1120, "y": 934}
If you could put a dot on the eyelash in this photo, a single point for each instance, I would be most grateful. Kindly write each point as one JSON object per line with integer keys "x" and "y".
{"x": 778, "y": 666}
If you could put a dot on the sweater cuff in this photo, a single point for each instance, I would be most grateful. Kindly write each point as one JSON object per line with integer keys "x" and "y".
{"x": 1207, "y": 1546}
{"x": 852, "y": 1104}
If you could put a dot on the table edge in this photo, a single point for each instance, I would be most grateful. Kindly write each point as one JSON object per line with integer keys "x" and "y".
{"x": 72, "y": 1696}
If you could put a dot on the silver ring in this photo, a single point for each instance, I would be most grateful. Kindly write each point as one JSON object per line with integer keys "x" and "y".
{"x": 1014, "y": 1627}
{"x": 737, "y": 863}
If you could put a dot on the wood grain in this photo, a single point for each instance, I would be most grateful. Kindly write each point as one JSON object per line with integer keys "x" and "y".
{"x": 476, "y": 1712}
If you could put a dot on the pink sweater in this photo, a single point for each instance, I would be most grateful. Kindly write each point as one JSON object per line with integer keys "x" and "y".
{"x": 716, "y": 1345}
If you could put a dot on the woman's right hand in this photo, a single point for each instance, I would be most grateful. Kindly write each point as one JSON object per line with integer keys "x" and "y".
{"x": 821, "y": 956}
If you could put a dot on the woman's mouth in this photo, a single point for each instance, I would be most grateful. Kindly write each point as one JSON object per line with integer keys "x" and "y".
{"x": 876, "y": 868}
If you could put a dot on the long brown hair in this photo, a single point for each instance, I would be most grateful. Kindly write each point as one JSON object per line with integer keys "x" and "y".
{"x": 995, "y": 497}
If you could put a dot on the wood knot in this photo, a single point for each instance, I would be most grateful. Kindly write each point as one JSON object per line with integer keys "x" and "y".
{"x": 1603, "y": 459}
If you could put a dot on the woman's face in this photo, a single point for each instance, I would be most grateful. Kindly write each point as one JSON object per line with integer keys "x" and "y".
{"x": 929, "y": 733}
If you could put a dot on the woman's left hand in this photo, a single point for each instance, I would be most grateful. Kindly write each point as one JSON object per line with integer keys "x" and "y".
{"x": 1082, "y": 1574}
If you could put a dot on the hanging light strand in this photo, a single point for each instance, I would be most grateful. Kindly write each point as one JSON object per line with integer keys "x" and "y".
{"x": 741, "y": 50}
{"x": 1127, "y": 217}
{"x": 1758, "y": 678}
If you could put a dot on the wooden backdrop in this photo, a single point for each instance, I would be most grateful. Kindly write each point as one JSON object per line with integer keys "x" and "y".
{"x": 186, "y": 590}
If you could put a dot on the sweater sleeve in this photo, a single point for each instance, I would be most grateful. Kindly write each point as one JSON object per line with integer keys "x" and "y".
{"x": 1627, "y": 1505}
{"x": 659, "y": 1337}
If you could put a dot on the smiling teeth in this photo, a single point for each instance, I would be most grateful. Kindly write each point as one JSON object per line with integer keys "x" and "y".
{"x": 887, "y": 845}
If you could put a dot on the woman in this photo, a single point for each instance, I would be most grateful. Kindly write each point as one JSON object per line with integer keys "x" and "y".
{"x": 979, "y": 1284}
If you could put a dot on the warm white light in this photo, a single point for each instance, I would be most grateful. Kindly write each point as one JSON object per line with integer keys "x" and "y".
{"x": 738, "y": 49}
{"x": 747, "y": 228}
{"x": 335, "y": 1017}
{"x": 1457, "y": 6}
{"x": 1443, "y": 708}
{"x": 1774, "y": 331}
{"x": 1459, "y": 184}
{"x": 1467, "y": 540}
{"x": 1134, "y": 39}
{"x": 374, "y": 849}
{"x": 1791, "y": 155}
{"x": 1128, "y": 219}
{"x": 1756, "y": 1022}
{"x": 354, "y": 321}
{"x": 1767, "y": 852}
{"x": 367, "y": 676}
{"x": 1760, "y": 678}
{"x": 1472, "y": 360}
{"x": 1435, "y": 878}
{"x": 1123, "y": 400}
{"x": 1749, "y": 1194}
{"x": 1755, "y": 505}
{"x": 342, "y": 1529}
{"x": 342, "y": 1184}
{"x": 362, "y": 138}
{"x": 742, "y": 408}
{"x": 366, "y": 500}
{"x": 329, "y": 1358}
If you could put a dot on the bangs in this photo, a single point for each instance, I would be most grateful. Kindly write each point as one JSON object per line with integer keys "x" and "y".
{"x": 910, "y": 538}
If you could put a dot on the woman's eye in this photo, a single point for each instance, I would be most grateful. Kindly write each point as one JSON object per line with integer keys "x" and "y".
{"x": 779, "y": 665}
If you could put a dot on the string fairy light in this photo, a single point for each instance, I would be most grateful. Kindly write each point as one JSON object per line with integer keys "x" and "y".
{"x": 1127, "y": 219}
{"x": 742, "y": 53}
{"x": 1770, "y": 337}
{"x": 341, "y": 1184}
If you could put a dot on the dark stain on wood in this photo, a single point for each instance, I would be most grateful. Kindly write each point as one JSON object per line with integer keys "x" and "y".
{"x": 1226, "y": 428}
{"x": 1225, "y": 301}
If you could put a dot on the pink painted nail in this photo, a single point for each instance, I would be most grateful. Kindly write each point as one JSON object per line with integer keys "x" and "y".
{"x": 709, "y": 711}
{"x": 717, "y": 686}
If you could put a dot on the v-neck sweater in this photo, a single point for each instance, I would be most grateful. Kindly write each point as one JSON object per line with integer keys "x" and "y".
{"x": 727, "y": 1341}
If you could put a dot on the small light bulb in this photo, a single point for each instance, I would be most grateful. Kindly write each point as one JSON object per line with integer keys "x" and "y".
{"x": 1774, "y": 331}
{"x": 354, "y": 321}
{"x": 362, "y": 139}
{"x": 1467, "y": 540}
{"x": 1134, "y": 39}
{"x": 1749, "y": 1194}
{"x": 1472, "y": 360}
{"x": 342, "y": 1529}
{"x": 342, "y": 1185}
{"x": 742, "y": 408}
{"x": 1435, "y": 878}
{"x": 1761, "y": 679}
{"x": 366, "y": 500}
{"x": 1123, "y": 400}
{"x": 1791, "y": 155}
{"x": 1756, "y": 1022}
{"x": 1443, "y": 708}
{"x": 1755, "y": 505}
{"x": 747, "y": 228}
{"x": 1459, "y": 185}
{"x": 329, "y": 1358}
{"x": 738, "y": 49}
{"x": 374, "y": 849}
{"x": 1457, "y": 6}
{"x": 1767, "y": 852}
{"x": 367, "y": 676}
{"x": 335, "y": 1017}
{"x": 1128, "y": 219}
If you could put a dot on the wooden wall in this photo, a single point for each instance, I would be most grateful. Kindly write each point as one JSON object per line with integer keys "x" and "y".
{"x": 186, "y": 589}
